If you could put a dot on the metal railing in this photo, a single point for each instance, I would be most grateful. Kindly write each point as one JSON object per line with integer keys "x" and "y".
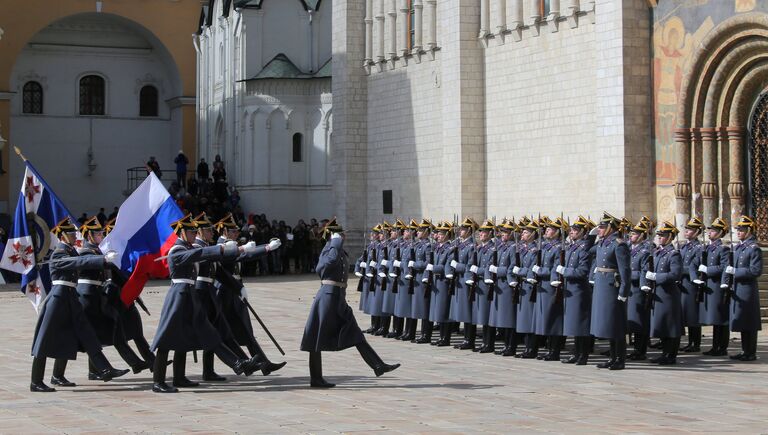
{"x": 137, "y": 174}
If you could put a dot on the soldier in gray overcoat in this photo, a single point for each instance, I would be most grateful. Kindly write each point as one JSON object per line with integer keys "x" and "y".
{"x": 666, "y": 309}
{"x": 380, "y": 281}
{"x": 524, "y": 315}
{"x": 612, "y": 277}
{"x": 690, "y": 252}
{"x": 423, "y": 280}
{"x": 184, "y": 324}
{"x": 638, "y": 309}
{"x": 548, "y": 309}
{"x": 395, "y": 249}
{"x": 461, "y": 307}
{"x": 440, "y": 301}
{"x": 62, "y": 328}
{"x": 713, "y": 310}
{"x": 745, "y": 299}
{"x": 577, "y": 301}
{"x": 366, "y": 277}
{"x": 331, "y": 325}
{"x": 503, "y": 313}
{"x": 400, "y": 272}
{"x": 480, "y": 288}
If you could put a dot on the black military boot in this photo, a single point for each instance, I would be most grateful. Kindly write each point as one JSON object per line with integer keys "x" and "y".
{"x": 374, "y": 325}
{"x": 38, "y": 372}
{"x": 373, "y": 360}
{"x": 641, "y": 348}
{"x": 694, "y": 340}
{"x": 671, "y": 345}
{"x": 511, "y": 340}
{"x": 144, "y": 350}
{"x": 426, "y": 332}
{"x": 383, "y": 326}
{"x": 397, "y": 327}
{"x": 506, "y": 334}
{"x": 611, "y": 356}
{"x": 621, "y": 355}
{"x": 583, "y": 351}
{"x": 268, "y": 366}
{"x": 489, "y": 340}
{"x": 316, "y": 372}
{"x": 180, "y": 367}
{"x": 158, "y": 373}
{"x": 470, "y": 335}
{"x": 725, "y": 339}
{"x": 446, "y": 329}
{"x": 209, "y": 375}
{"x": 58, "y": 379}
{"x": 105, "y": 370}
{"x": 576, "y": 352}
{"x": 557, "y": 343}
{"x": 129, "y": 356}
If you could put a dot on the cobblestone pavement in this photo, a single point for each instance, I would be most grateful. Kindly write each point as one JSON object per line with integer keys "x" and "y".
{"x": 439, "y": 390}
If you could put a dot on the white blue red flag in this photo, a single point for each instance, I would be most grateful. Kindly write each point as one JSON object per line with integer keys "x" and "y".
{"x": 31, "y": 241}
{"x": 143, "y": 233}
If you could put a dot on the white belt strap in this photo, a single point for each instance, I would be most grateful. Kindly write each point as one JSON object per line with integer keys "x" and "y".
{"x": 204, "y": 279}
{"x": 64, "y": 283}
{"x": 90, "y": 281}
{"x": 333, "y": 283}
{"x": 182, "y": 281}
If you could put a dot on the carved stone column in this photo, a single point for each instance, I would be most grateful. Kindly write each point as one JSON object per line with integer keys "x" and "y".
{"x": 736, "y": 190}
{"x": 368, "y": 33}
{"x": 432, "y": 19}
{"x": 380, "y": 31}
{"x": 683, "y": 167}
{"x": 709, "y": 190}
{"x": 418, "y": 26}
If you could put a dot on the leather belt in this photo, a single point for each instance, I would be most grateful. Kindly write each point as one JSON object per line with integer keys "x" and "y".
{"x": 605, "y": 270}
{"x": 333, "y": 283}
{"x": 204, "y": 279}
{"x": 90, "y": 281}
{"x": 64, "y": 283}
{"x": 182, "y": 281}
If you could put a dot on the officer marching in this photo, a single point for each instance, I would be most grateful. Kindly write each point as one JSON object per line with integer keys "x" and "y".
{"x": 62, "y": 328}
{"x": 331, "y": 325}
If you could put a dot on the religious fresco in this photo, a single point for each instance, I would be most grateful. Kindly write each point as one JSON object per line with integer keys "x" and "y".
{"x": 678, "y": 27}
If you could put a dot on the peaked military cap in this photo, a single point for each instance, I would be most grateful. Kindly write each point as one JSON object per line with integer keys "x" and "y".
{"x": 625, "y": 224}
{"x": 508, "y": 225}
{"x": 386, "y": 226}
{"x": 399, "y": 225}
{"x": 581, "y": 222}
{"x": 332, "y": 227}
{"x": 667, "y": 227}
{"x": 109, "y": 226}
{"x": 694, "y": 224}
{"x": 92, "y": 224}
{"x": 558, "y": 223}
{"x": 376, "y": 228}
{"x": 413, "y": 225}
{"x": 524, "y": 221}
{"x": 185, "y": 223}
{"x": 719, "y": 224}
{"x": 641, "y": 227}
{"x": 609, "y": 219}
{"x": 202, "y": 221}
{"x": 227, "y": 222}
{"x": 745, "y": 221}
{"x": 469, "y": 223}
{"x": 426, "y": 224}
{"x": 488, "y": 225}
{"x": 64, "y": 226}
{"x": 532, "y": 225}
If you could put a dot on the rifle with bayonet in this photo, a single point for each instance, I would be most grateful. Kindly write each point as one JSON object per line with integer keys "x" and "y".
{"x": 473, "y": 285}
{"x": 730, "y": 280}
{"x": 396, "y": 278}
{"x": 701, "y": 286}
{"x": 429, "y": 279}
{"x": 560, "y": 290}
{"x": 364, "y": 260}
{"x": 535, "y": 288}
{"x": 494, "y": 277}
{"x": 650, "y": 297}
{"x": 411, "y": 275}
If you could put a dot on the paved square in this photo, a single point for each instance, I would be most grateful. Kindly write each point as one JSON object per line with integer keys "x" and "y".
{"x": 439, "y": 390}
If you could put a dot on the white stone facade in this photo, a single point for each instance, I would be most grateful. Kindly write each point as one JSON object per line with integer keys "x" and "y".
{"x": 250, "y": 116}
{"x": 500, "y": 110}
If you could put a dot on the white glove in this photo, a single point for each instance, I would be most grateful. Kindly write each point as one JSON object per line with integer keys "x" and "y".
{"x": 411, "y": 263}
{"x": 396, "y": 263}
{"x": 555, "y": 283}
{"x": 229, "y": 244}
{"x": 372, "y": 263}
{"x": 274, "y": 244}
{"x": 363, "y": 265}
{"x": 592, "y": 282}
{"x": 723, "y": 286}
{"x": 645, "y": 288}
{"x": 488, "y": 281}
{"x": 650, "y": 275}
{"x": 382, "y": 275}
{"x": 336, "y": 235}
{"x": 454, "y": 264}
{"x": 730, "y": 270}
{"x": 251, "y": 246}
{"x": 531, "y": 281}
{"x": 493, "y": 269}
{"x": 369, "y": 275}
{"x": 622, "y": 298}
{"x": 473, "y": 269}
{"x": 469, "y": 282}
{"x": 513, "y": 284}
{"x": 515, "y": 270}
{"x": 409, "y": 276}
{"x": 560, "y": 269}
{"x": 449, "y": 276}
{"x": 385, "y": 262}
{"x": 110, "y": 257}
{"x": 358, "y": 274}
{"x": 535, "y": 269}
{"x": 702, "y": 268}
{"x": 698, "y": 282}
{"x": 243, "y": 294}
{"x": 392, "y": 275}
{"x": 430, "y": 267}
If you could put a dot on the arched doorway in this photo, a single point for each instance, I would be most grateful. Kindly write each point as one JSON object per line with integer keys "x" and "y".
{"x": 758, "y": 167}
{"x": 77, "y": 112}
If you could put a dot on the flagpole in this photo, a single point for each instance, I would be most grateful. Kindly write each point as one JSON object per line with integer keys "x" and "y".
{"x": 18, "y": 153}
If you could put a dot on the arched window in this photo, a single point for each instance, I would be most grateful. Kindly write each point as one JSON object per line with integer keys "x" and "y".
{"x": 148, "y": 101}
{"x": 92, "y": 95}
{"x": 32, "y": 96}
{"x": 297, "y": 145}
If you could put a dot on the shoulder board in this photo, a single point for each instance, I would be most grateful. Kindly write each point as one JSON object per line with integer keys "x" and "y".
{"x": 81, "y": 251}
{"x": 176, "y": 248}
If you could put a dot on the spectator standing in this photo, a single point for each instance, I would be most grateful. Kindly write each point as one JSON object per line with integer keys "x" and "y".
{"x": 181, "y": 161}
{"x": 154, "y": 167}
{"x": 202, "y": 170}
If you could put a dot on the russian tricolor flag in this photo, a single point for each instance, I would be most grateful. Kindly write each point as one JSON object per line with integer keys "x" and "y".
{"x": 142, "y": 233}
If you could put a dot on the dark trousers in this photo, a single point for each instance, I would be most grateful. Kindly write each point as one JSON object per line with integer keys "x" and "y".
{"x": 749, "y": 343}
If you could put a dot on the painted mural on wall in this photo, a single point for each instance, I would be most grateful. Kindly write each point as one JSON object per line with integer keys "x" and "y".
{"x": 679, "y": 26}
